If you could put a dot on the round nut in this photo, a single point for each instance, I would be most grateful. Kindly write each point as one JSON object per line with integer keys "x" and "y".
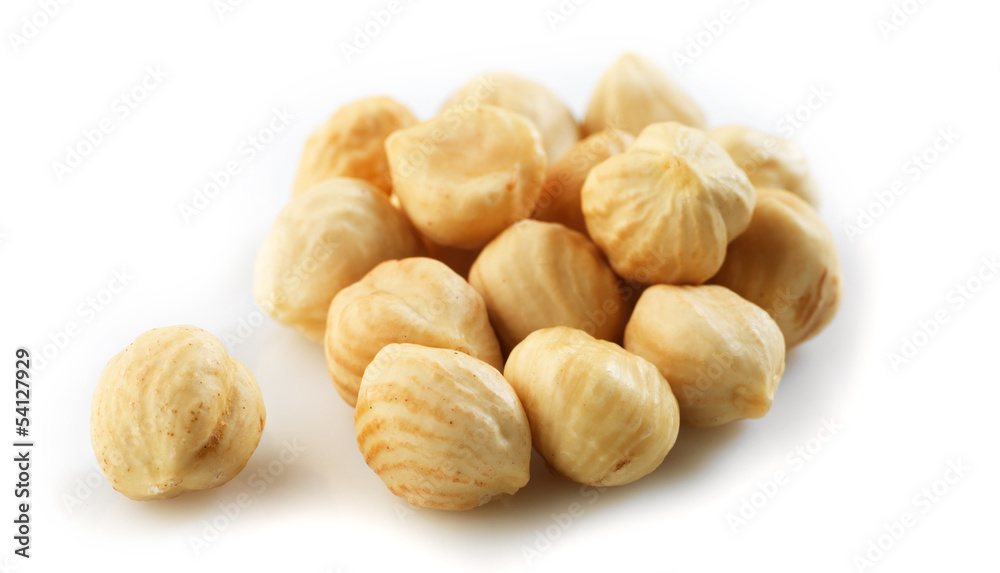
{"x": 352, "y": 144}
{"x": 768, "y": 161}
{"x": 560, "y": 198}
{"x": 598, "y": 414}
{"x": 174, "y": 413}
{"x": 664, "y": 210}
{"x": 543, "y": 108}
{"x": 440, "y": 428}
{"x": 538, "y": 275}
{"x": 634, "y": 93}
{"x": 722, "y": 355}
{"x": 786, "y": 263}
{"x": 416, "y": 300}
{"x": 463, "y": 178}
{"x": 322, "y": 241}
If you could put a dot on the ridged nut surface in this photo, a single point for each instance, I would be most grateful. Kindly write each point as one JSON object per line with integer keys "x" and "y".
{"x": 174, "y": 413}
{"x": 722, "y": 355}
{"x": 440, "y": 428}
{"x": 768, "y": 161}
{"x": 598, "y": 414}
{"x": 415, "y": 300}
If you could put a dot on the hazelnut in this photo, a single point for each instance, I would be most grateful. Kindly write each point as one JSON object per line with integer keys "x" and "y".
{"x": 634, "y": 93}
{"x": 723, "y": 356}
{"x": 543, "y": 108}
{"x": 768, "y": 161}
{"x": 322, "y": 241}
{"x": 664, "y": 211}
{"x": 464, "y": 178}
{"x": 352, "y": 144}
{"x": 598, "y": 414}
{"x": 440, "y": 428}
{"x": 786, "y": 263}
{"x": 537, "y": 275}
{"x": 174, "y": 413}
{"x": 416, "y": 300}
{"x": 560, "y": 198}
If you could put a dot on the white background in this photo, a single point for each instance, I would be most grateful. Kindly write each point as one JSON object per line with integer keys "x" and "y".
{"x": 898, "y": 428}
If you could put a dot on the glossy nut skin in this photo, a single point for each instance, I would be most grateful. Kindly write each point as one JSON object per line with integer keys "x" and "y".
{"x": 634, "y": 93}
{"x": 440, "y": 428}
{"x": 543, "y": 108}
{"x": 323, "y": 241}
{"x": 560, "y": 198}
{"x": 415, "y": 300}
{"x": 174, "y": 413}
{"x": 786, "y": 263}
{"x": 464, "y": 178}
{"x": 664, "y": 211}
{"x": 352, "y": 144}
{"x": 768, "y": 161}
{"x": 722, "y": 355}
{"x": 537, "y": 275}
{"x": 598, "y": 414}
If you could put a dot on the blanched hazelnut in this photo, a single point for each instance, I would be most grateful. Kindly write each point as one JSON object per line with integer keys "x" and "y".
{"x": 463, "y": 178}
{"x": 634, "y": 93}
{"x": 664, "y": 211}
{"x": 440, "y": 428}
{"x": 537, "y": 275}
{"x": 768, "y": 161}
{"x": 322, "y": 241}
{"x": 560, "y": 198}
{"x": 543, "y": 108}
{"x": 598, "y": 414}
{"x": 723, "y": 356}
{"x": 174, "y": 413}
{"x": 416, "y": 300}
{"x": 786, "y": 263}
{"x": 352, "y": 144}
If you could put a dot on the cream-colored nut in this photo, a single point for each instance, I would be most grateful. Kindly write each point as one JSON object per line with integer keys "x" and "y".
{"x": 174, "y": 413}
{"x": 463, "y": 178}
{"x": 417, "y": 300}
{"x": 543, "y": 108}
{"x": 352, "y": 144}
{"x": 634, "y": 93}
{"x": 442, "y": 429}
{"x": 664, "y": 210}
{"x": 560, "y": 198}
{"x": 538, "y": 275}
{"x": 322, "y": 241}
{"x": 598, "y": 414}
{"x": 768, "y": 161}
{"x": 786, "y": 263}
{"x": 722, "y": 355}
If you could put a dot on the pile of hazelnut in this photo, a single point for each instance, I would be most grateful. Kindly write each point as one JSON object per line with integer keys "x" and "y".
{"x": 500, "y": 277}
